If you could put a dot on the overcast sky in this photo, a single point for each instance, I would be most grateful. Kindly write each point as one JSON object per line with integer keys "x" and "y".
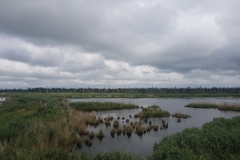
{"x": 117, "y": 43}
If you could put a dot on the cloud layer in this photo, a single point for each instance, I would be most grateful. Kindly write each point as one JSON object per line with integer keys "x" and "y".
{"x": 119, "y": 43}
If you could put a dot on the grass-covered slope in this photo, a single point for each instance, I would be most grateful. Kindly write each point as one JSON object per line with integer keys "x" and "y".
{"x": 219, "y": 139}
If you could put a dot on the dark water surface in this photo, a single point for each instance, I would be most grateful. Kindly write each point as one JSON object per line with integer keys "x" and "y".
{"x": 143, "y": 145}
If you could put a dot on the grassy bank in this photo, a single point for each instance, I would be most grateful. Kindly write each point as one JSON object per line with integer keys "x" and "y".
{"x": 101, "y": 105}
{"x": 152, "y": 111}
{"x": 126, "y": 95}
{"x": 222, "y": 106}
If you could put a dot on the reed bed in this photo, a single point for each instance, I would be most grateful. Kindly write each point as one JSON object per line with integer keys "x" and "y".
{"x": 101, "y": 105}
{"x": 222, "y": 106}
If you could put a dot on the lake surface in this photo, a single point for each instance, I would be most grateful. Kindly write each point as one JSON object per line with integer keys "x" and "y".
{"x": 2, "y": 99}
{"x": 143, "y": 145}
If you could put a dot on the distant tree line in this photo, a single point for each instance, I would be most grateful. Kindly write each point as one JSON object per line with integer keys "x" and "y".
{"x": 188, "y": 90}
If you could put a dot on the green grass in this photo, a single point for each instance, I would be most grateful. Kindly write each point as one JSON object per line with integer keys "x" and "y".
{"x": 152, "y": 111}
{"x": 101, "y": 106}
{"x": 219, "y": 139}
{"x": 222, "y": 106}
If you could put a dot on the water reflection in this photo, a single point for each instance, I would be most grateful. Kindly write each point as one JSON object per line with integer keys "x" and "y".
{"x": 143, "y": 144}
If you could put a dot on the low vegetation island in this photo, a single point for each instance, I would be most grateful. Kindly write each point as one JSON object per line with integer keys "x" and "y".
{"x": 222, "y": 106}
{"x": 101, "y": 105}
{"x": 180, "y": 115}
{"x": 152, "y": 111}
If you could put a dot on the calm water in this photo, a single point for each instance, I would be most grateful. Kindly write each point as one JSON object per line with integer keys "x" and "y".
{"x": 2, "y": 99}
{"x": 143, "y": 144}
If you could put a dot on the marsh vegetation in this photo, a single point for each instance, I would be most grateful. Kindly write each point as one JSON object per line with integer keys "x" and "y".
{"x": 152, "y": 111}
{"x": 29, "y": 129}
{"x": 222, "y": 106}
{"x": 101, "y": 106}
{"x": 218, "y": 139}
{"x": 180, "y": 115}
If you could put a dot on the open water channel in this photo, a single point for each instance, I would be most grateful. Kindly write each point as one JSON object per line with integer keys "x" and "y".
{"x": 143, "y": 145}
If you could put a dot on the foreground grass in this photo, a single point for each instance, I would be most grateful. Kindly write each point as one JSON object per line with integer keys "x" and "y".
{"x": 101, "y": 105}
{"x": 219, "y": 139}
{"x": 29, "y": 129}
{"x": 152, "y": 111}
{"x": 223, "y": 106}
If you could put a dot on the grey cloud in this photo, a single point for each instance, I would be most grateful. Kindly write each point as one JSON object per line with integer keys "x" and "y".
{"x": 18, "y": 55}
{"x": 21, "y": 55}
{"x": 137, "y": 34}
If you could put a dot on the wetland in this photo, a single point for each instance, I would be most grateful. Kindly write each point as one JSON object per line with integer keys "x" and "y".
{"x": 141, "y": 144}
{"x": 47, "y": 126}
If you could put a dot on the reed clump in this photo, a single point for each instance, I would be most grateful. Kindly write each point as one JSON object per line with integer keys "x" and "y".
{"x": 91, "y": 135}
{"x": 113, "y": 131}
{"x": 149, "y": 128}
{"x": 164, "y": 124}
{"x": 88, "y": 142}
{"x": 100, "y": 135}
{"x": 179, "y": 120}
{"x": 152, "y": 111}
{"x": 128, "y": 130}
{"x": 140, "y": 131}
{"x": 79, "y": 142}
{"x": 115, "y": 124}
{"x": 107, "y": 123}
{"x": 180, "y": 115}
{"x": 155, "y": 128}
{"x": 119, "y": 131}
{"x": 109, "y": 118}
{"x": 100, "y": 120}
{"x": 150, "y": 123}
